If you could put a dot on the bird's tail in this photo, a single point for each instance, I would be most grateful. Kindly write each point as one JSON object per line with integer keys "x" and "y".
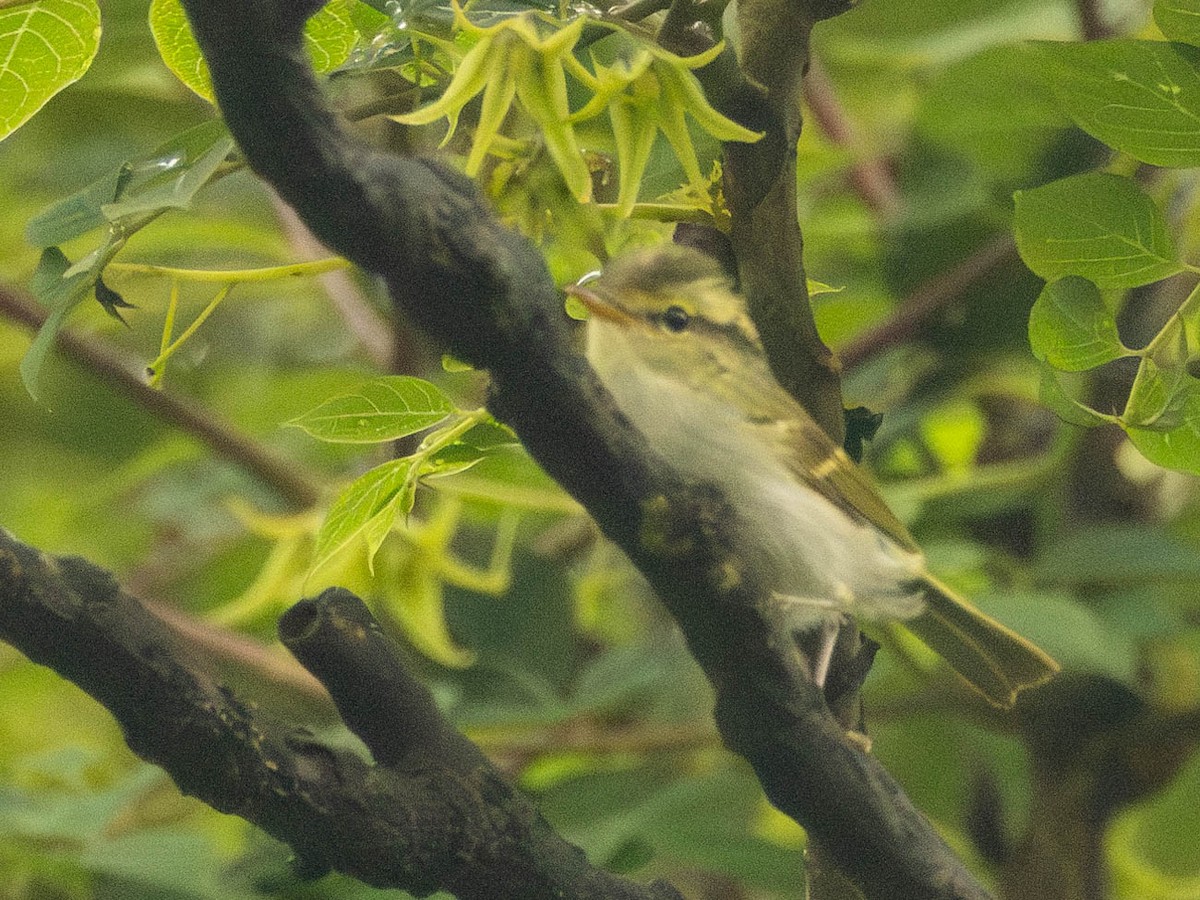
{"x": 993, "y": 658}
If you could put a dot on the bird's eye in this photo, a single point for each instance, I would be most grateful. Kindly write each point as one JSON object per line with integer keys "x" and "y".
{"x": 675, "y": 318}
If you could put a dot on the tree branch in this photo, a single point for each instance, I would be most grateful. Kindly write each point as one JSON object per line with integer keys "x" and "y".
{"x": 431, "y": 812}
{"x": 284, "y": 476}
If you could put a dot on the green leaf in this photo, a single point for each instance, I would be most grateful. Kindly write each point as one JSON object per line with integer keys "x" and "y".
{"x": 176, "y": 862}
{"x": 61, "y": 293}
{"x": 44, "y": 47}
{"x": 329, "y": 37}
{"x": 469, "y": 449}
{"x": 1072, "y": 328}
{"x": 1100, "y": 227}
{"x": 1053, "y": 395}
{"x": 169, "y": 176}
{"x": 356, "y": 509}
{"x": 634, "y": 134}
{"x": 994, "y": 107}
{"x": 1177, "y": 447}
{"x": 1139, "y": 97}
{"x": 74, "y": 215}
{"x": 674, "y": 816}
{"x": 954, "y": 432}
{"x": 1070, "y": 631}
{"x": 497, "y": 98}
{"x": 620, "y": 680}
{"x": 1158, "y": 396}
{"x": 381, "y": 410}
{"x": 414, "y": 595}
{"x": 1179, "y": 19}
{"x": 543, "y": 92}
{"x": 489, "y": 434}
{"x": 1152, "y": 844}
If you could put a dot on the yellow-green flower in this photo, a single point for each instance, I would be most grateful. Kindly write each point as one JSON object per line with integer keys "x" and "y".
{"x": 652, "y": 92}
{"x": 510, "y": 60}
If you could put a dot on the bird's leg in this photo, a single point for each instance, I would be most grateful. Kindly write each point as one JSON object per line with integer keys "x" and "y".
{"x": 821, "y": 659}
{"x": 826, "y": 641}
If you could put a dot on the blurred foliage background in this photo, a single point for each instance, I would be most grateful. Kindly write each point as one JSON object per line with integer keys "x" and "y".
{"x": 922, "y": 120}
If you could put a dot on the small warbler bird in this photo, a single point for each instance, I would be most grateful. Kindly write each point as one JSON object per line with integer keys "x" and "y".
{"x": 675, "y": 346}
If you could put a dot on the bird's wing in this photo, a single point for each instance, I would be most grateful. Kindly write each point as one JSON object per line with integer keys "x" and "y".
{"x": 815, "y": 459}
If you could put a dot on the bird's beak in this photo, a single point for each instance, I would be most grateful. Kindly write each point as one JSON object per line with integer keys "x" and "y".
{"x": 598, "y": 305}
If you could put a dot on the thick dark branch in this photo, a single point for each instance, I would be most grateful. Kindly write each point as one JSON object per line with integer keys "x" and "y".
{"x": 432, "y": 812}
{"x": 486, "y": 295}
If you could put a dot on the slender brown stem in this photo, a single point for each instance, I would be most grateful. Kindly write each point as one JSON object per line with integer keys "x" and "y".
{"x": 1091, "y": 20}
{"x": 373, "y": 331}
{"x": 242, "y": 652}
{"x": 935, "y": 294}
{"x": 588, "y": 735}
{"x": 869, "y": 175}
{"x": 284, "y": 476}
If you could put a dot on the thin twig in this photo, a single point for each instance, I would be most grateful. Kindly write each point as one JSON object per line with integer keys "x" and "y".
{"x": 919, "y": 306}
{"x": 245, "y": 653}
{"x": 371, "y": 329}
{"x": 869, "y": 175}
{"x": 285, "y": 477}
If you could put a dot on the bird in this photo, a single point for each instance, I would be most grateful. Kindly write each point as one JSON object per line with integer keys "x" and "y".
{"x": 673, "y": 343}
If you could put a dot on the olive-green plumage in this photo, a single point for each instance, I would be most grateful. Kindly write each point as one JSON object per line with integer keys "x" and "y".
{"x": 676, "y": 347}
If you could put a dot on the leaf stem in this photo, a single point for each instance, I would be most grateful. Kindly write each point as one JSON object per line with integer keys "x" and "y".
{"x": 159, "y": 364}
{"x": 225, "y": 276}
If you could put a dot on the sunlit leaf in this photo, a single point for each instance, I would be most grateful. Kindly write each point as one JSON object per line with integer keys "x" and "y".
{"x": 358, "y": 505}
{"x": 1179, "y": 19}
{"x": 44, "y": 46}
{"x": 381, "y": 410}
{"x": 1140, "y": 97}
{"x": 1100, "y": 227}
{"x": 543, "y": 93}
{"x": 329, "y": 36}
{"x": 498, "y": 96}
{"x": 634, "y": 136}
{"x": 470, "y": 77}
{"x": 414, "y": 596}
{"x": 955, "y": 432}
{"x": 1072, "y": 328}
